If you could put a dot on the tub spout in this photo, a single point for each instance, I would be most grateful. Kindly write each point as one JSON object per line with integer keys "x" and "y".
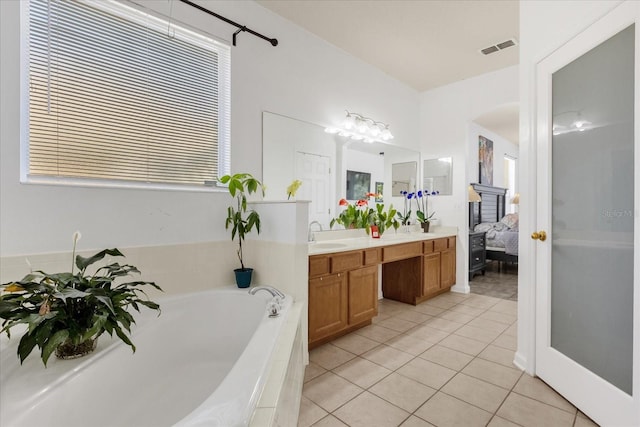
{"x": 273, "y": 291}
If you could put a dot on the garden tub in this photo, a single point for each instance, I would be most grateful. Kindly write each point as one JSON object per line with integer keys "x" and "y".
{"x": 202, "y": 362}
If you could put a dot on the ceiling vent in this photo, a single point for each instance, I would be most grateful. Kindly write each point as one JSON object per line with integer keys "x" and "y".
{"x": 499, "y": 46}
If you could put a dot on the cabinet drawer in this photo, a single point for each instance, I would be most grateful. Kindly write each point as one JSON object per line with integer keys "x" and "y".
{"x": 427, "y": 246}
{"x": 371, "y": 256}
{"x": 477, "y": 242}
{"x": 318, "y": 265}
{"x": 440, "y": 245}
{"x": 452, "y": 242}
{"x": 396, "y": 252}
{"x": 346, "y": 261}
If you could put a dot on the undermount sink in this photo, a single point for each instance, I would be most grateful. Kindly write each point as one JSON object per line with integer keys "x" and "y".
{"x": 329, "y": 245}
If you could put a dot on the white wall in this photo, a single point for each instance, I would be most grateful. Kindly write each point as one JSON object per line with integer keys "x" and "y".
{"x": 303, "y": 77}
{"x": 446, "y": 115}
{"x": 544, "y": 26}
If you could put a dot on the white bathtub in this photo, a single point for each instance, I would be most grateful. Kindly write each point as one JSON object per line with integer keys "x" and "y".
{"x": 203, "y": 362}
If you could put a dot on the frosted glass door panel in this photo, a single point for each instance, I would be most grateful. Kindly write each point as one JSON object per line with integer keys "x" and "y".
{"x": 593, "y": 210}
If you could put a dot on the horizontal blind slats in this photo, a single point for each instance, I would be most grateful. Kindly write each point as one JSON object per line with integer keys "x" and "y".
{"x": 115, "y": 100}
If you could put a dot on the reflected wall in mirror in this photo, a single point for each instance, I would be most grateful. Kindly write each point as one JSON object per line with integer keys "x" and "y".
{"x": 403, "y": 177}
{"x": 437, "y": 175}
{"x": 294, "y": 149}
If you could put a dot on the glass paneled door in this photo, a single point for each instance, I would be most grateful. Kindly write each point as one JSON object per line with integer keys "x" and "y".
{"x": 587, "y": 214}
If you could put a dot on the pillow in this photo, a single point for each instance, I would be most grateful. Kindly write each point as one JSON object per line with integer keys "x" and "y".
{"x": 510, "y": 220}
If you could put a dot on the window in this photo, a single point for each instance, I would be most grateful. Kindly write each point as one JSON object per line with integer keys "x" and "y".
{"x": 510, "y": 182}
{"x": 117, "y": 94}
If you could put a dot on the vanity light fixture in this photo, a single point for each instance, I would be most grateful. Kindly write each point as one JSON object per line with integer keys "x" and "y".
{"x": 358, "y": 127}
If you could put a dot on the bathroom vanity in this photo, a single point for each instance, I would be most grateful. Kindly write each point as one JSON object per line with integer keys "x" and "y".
{"x": 343, "y": 278}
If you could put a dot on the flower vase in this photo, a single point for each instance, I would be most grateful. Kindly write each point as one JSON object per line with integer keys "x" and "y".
{"x": 69, "y": 350}
{"x": 425, "y": 227}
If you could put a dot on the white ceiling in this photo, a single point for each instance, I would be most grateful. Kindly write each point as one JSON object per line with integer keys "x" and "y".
{"x": 423, "y": 43}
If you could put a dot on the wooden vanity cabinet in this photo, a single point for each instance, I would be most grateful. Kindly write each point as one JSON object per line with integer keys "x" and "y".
{"x": 343, "y": 293}
{"x": 439, "y": 267}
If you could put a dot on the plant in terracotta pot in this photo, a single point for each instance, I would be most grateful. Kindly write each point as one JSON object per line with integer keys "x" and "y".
{"x": 66, "y": 312}
{"x": 239, "y": 220}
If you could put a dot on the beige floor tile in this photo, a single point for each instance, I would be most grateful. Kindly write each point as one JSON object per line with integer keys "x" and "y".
{"x": 362, "y": 372}
{"x": 428, "y": 373}
{"x": 440, "y": 303}
{"x": 455, "y": 296}
{"x": 583, "y": 421}
{"x": 487, "y": 324}
{"x": 480, "y": 301}
{"x": 444, "y": 410}
{"x": 499, "y": 355}
{"x": 397, "y": 324}
{"x": 428, "y": 309}
{"x": 410, "y": 344}
{"x": 330, "y": 391}
{"x": 467, "y": 309}
{"x": 492, "y": 372}
{"x": 413, "y": 316}
{"x": 538, "y": 390}
{"x": 354, "y": 343}
{"x": 377, "y": 333}
{"x": 414, "y": 421}
{"x": 313, "y": 370}
{"x": 402, "y": 392}
{"x": 309, "y": 413}
{"x": 380, "y": 317}
{"x": 443, "y": 324}
{"x": 368, "y": 410}
{"x": 447, "y": 357}
{"x": 506, "y": 341}
{"x": 389, "y": 357}
{"x": 477, "y": 392}
{"x": 456, "y": 316}
{"x": 427, "y": 333}
{"x": 463, "y": 344}
{"x": 501, "y": 422}
{"x": 507, "y": 319}
{"x": 528, "y": 412}
{"x": 330, "y": 421}
{"x": 477, "y": 334}
{"x": 506, "y": 307}
{"x": 329, "y": 356}
{"x": 512, "y": 330}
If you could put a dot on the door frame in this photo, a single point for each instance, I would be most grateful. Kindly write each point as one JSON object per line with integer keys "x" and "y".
{"x": 591, "y": 401}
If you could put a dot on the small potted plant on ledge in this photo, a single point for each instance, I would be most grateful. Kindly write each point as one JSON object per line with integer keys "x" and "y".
{"x": 240, "y": 222}
{"x": 422, "y": 214}
{"x": 66, "y": 312}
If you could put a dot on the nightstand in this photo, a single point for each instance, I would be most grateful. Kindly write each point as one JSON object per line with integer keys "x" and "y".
{"x": 477, "y": 253}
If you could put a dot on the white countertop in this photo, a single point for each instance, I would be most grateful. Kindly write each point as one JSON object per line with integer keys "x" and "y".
{"x": 325, "y": 244}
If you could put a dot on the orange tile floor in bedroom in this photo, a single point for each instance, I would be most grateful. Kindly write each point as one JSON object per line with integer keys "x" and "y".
{"x": 445, "y": 362}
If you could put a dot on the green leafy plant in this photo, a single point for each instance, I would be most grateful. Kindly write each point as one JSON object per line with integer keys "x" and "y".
{"x": 240, "y": 222}
{"x": 406, "y": 214}
{"x": 71, "y": 308}
{"x": 360, "y": 215}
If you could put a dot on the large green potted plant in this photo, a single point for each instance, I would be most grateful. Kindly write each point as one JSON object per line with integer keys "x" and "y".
{"x": 239, "y": 220}
{"x": 66, "y": 312}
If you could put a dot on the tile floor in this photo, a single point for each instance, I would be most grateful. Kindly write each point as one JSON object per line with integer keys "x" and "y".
{"x": 500, "y": 280}
{"x": 445, "y": 362}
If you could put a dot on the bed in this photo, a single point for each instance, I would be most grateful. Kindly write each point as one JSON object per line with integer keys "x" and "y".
{"x": 501, "y": 229}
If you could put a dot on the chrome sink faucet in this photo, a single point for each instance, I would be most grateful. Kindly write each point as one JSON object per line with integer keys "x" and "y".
{"x": 311, "y": 237}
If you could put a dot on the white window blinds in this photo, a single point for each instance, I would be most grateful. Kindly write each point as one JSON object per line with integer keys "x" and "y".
{"x": 117, "y": 94}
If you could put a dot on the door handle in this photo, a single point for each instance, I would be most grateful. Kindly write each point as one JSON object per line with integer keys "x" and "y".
{"x": 539, "y": 235}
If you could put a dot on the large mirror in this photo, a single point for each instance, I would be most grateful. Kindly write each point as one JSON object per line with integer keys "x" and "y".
{"x": 294, "y": 149}
{"x": 403, "y": 177}
{"x": 437, "y": 175}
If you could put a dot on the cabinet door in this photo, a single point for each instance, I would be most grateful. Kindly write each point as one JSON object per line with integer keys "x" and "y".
{"x": 448, "y": 267}
{"x": 327, "y": 305}
{"x": 363, "y": 294}
{"x": 431, "y": 273}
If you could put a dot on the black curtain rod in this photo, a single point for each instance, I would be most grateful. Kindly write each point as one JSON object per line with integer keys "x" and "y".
{"x": 274, "y": 42}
